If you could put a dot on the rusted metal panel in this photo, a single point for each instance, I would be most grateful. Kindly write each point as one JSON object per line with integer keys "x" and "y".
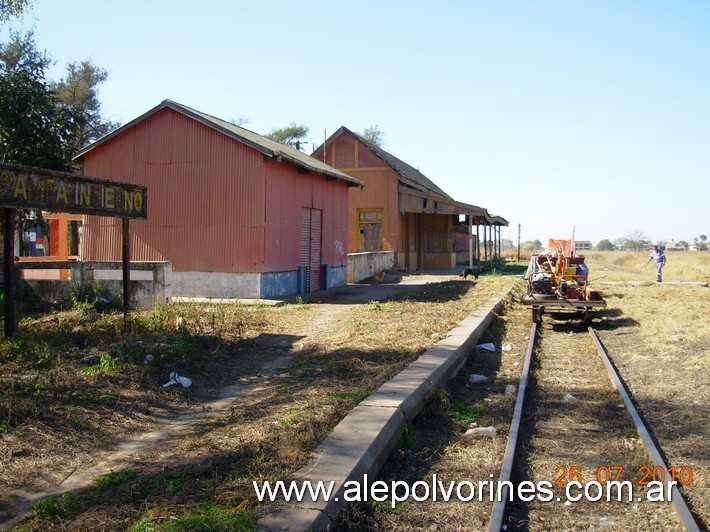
{"x": 310, "y": 251}
{"x": 305, "y": 240}
{"x": 218, "y": 204}
{"x": 335, "y": 222}
{"x": 314, "y": 271}
{"x": 207, "y": 214}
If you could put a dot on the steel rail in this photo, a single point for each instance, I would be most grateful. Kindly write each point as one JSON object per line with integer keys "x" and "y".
{"x": 499, "y": 506}
{"x": 678, "y": 501}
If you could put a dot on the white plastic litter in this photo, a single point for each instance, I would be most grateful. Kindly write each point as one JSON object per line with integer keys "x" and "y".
{"x": 507, "y": 347}
{"x": 148, "y": 359}
{"x": 481, "y": 431}
{"x": 177, "y": 379}
{"x": 477, "y": 379}
{"x": 570, "y": 397}
{"x": 486, "y": 347}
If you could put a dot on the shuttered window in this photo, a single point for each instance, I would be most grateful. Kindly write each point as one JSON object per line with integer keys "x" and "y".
{"x": 370, "y": 229}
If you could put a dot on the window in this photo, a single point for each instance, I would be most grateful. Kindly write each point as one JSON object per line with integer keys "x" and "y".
{"x": 370, "y": 229}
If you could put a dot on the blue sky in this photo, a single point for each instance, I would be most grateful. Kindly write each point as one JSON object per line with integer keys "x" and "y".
{"x": 553, "y": 114}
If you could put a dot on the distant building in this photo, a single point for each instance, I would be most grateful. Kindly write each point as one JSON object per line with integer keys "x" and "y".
{"x": 582, "y": 245}
{"x": 674, "y": 246}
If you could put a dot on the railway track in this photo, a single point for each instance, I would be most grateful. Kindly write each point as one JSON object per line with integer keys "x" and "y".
{"x": 584, "y": 442}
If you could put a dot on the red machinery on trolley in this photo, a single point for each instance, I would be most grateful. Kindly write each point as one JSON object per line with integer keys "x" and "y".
{"x": 558, "y": 280}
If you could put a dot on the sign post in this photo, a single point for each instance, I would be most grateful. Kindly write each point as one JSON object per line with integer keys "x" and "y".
{"x": 9, "y": 272}
{"x": 125, "y": 254}
{"x": 24, "y": 187}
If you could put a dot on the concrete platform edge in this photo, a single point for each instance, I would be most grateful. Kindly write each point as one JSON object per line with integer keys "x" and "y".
{"x": 450, "y": 354}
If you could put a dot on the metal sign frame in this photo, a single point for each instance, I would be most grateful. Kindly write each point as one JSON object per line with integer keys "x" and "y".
{"x": 26, "y": 187}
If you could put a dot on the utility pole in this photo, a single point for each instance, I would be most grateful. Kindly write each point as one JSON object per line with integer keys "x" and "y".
{"x": 519, "y": 228}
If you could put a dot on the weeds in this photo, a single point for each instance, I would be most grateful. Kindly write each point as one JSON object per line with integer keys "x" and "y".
{"x": 463, "y": 413}
{"x": 107, "y": 366}
{"x": 209, "y": 516}
{"x": 356, "y": 396}
{"x": 406, "y": 441}
{"x": 51, "y": 508}
{"x": 171, "y": 483}
{"x": 112, "y": 480}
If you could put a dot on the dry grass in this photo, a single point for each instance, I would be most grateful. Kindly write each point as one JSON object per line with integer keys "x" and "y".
{"x": 632, "y": 266}
{"x": 75, "y": 385}
{"x": 298, "y": 369}
{"x": 657, "y": 334}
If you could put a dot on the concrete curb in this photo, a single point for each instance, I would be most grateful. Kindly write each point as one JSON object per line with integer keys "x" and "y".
{"x": 361, "y": 443}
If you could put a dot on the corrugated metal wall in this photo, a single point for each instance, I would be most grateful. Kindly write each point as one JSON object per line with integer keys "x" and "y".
{"x": 214, "y": 204}
{"x": 287, "y": 192}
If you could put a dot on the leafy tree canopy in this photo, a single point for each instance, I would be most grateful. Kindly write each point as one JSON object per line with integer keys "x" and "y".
{"x": 531, "y": 245}
{"x": 34, "y": 129}
{"x": 43, "y": 123}
{"x": 78, "y": 92}
{"x": 373, "y": 135}
{"x": 21, "y": 54}
{"x": 605, "y": 245}
{"x": 290, "y": 135}
{"x": 13, "y": 9}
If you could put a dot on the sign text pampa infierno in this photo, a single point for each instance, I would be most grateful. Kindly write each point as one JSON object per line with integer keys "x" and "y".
{"x": 34, "y": 188}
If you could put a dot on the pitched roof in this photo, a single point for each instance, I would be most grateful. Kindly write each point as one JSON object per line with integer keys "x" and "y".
{"x": 413, "y": 178}
{"x": 268, "y": 147}
{"x": 404, "y": 170}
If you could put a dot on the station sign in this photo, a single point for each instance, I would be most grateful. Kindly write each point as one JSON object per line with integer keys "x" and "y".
{"x": 25, "y": 187}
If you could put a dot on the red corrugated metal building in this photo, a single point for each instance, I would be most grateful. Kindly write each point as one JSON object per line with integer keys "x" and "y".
{"x": 237, "y": 214}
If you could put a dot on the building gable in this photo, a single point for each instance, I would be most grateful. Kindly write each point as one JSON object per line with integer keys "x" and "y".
{"x": 347, "y": 150}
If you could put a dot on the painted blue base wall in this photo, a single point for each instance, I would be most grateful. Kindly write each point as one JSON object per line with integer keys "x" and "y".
{"x": 278, "y": 284}
{"x": 336, "y": 276}
{"x": 274, "y": 285}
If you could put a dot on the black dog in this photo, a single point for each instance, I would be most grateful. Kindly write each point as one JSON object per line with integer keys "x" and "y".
{"x": 469, "y": 271}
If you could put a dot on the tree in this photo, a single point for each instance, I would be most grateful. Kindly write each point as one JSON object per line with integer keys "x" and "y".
{"x": 530, "y": 246}
{"x": 636, "y": 240}
{"x": 34, "y": 129}
{"x": 13, "y": 9}
{"x": 21, "y": 53}
{"x": 78, "y": 92}
{"x": 605, "y": 245}
{"x": 290, "y": 135}
{"x": 239, "y": 121}
{"x": 373, "y": 135}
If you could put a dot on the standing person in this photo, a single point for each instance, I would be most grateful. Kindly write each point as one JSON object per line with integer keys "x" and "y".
{"x": 659, "y": 258}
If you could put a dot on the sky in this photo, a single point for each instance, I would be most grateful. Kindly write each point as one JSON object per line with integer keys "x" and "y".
{"x": 584, "y": 117}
